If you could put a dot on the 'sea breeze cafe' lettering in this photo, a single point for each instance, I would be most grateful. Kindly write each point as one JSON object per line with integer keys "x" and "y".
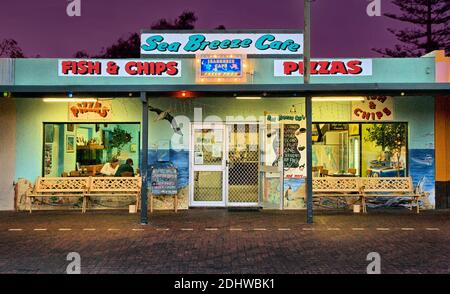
{"x": 119, "y": 68}
{"x": 324, "y": 67}
{"x": 250, "y": 43}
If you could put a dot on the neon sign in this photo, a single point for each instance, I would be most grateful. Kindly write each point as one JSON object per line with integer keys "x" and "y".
{"x": 90, "y": 110}
{"x": 220, "y": 67}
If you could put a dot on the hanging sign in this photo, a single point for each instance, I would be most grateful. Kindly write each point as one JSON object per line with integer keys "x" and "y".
{"x": 373, "y": 108}
{"x": 90, "y": 111}
{"x": 324, "y": 67}
{"x": 228, "y": 43}
{"x": 119, "y": 68}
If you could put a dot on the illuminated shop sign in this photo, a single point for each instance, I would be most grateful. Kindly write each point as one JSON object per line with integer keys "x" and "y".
{"x": 324, "y": 67}
{"x": 90, "y": 111}
{"x": 231, "y": 43}
{"x": 220, "y": 68}
{"x": 119, "y": 68}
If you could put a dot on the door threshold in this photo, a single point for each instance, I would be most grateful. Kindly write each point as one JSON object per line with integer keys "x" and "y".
{"x": 244, "y": 208}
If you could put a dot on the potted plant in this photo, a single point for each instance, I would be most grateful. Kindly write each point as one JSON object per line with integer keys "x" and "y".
{"x": 119, "y": 139}
{"x": 391, "y": 137}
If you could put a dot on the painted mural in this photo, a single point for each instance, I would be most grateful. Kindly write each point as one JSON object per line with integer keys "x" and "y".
{"x": 422, "y": 171}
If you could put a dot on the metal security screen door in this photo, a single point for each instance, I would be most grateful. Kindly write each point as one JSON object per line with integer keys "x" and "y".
{"x": 242, "y": 164}
{"x": 224, "y": 165}
{"x": 207, "y": 165}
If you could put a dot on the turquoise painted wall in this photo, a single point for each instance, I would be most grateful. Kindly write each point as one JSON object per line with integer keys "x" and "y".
{"x": 385, "y": 70}
{"x": 417, "y": 111}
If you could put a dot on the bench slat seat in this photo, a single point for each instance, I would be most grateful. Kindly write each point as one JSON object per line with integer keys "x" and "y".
{"x": 366, "y": 187}
{"x": 391, "y": 187}
{"x": 337, "y": 187}
{"x": 115, "y": 187}
{"x": 85, "y": 187}
{"x": 57, "y": 187}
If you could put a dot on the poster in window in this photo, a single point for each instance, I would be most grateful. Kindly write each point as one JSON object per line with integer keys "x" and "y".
{"x": 217, "y": 150}
{"x": 70, "y": 144}
{"x": 48, "y": 158}
{"x": 294, "y": 149}
{"x": 198, "y": 158}
{"x": 49, "y": 130}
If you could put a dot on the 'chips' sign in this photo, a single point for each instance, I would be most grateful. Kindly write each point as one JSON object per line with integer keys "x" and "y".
{"x": 373, "y": 108}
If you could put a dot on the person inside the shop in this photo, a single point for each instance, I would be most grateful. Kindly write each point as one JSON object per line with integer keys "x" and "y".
{"x": 125, "y": 169}
{"x": 110, "y": 168}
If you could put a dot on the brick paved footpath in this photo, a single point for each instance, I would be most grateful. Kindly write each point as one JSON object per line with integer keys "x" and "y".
{"x": 219, "y": 241}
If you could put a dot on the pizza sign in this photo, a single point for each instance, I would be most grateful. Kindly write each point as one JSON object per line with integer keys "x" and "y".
{"x": 90, "y": 111}
{"x": 373, "y": 108}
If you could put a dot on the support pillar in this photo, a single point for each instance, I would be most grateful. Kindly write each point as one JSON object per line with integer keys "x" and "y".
{"x": 144, "y": 159}
{"x": 308, "y": 110}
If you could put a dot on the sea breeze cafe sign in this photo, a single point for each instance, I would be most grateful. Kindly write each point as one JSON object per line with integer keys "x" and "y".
{"x": 119, "y": 68}
{"x": 324, "y": 67}
{"x": 230, "y": 43}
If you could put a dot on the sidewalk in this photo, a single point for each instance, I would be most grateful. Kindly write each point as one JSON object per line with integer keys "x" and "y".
{"x": 218, "y": 241}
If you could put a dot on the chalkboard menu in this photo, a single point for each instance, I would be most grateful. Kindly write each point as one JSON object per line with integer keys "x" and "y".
{"x": 164, "y": 181}
{"x": 294, "y": 150}
{"x": 291, "y": 154}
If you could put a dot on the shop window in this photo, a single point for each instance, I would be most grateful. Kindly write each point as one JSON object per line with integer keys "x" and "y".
{"x": 359, "y": 149}
{"x": 83, "y": 149}
{"x": 384, "y": 149}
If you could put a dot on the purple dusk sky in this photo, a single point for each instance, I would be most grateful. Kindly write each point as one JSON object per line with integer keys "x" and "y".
{"x": 340, "y": 28}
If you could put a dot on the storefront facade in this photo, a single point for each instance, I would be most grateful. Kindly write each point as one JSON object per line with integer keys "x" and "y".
{"x": 227, "y": 111}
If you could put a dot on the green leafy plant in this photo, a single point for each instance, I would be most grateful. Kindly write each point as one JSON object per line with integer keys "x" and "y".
{"x": 390, "y": 137}
{"x": 119, "y": 139}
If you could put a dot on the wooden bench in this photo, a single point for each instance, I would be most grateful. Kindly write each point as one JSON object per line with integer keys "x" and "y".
{"x": 337, "y": 187}
{"x": 85, "y": 187}
{"x": 115, "y": 187}
{"x": 58, "y": 187}
{"x": 366, "y": 187}
{"x": 391, "y": 187}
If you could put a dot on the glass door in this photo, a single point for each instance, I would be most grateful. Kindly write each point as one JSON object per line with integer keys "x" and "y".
{"x": 207, "y": 165}
{"x": 242, "y": 164}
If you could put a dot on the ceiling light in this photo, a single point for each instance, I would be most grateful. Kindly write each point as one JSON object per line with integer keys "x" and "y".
{"x": 248, "y": 98}
{"x": 327, "y": 99}
{"x": 69, "y": 99}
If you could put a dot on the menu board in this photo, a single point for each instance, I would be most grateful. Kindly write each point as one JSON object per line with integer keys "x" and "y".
{"x": 294, "y": 150}
{"x": 164, "y": 181}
